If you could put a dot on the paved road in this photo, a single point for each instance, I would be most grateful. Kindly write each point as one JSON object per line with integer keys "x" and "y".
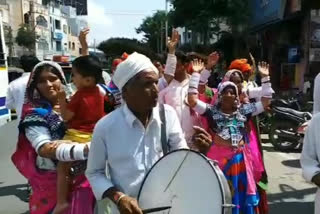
{"x": 288, "y": 192}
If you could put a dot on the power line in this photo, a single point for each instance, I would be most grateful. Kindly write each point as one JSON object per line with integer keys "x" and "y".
{"x": 127, "y": 13}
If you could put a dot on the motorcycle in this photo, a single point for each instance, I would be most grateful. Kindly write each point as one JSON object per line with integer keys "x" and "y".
{"x": 288, "y": 127}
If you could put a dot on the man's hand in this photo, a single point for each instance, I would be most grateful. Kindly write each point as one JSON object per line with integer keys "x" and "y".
{"x": 316, "y": 179}
{"x": 128, "y": 205}
{"x": 197, "y": 65}
{"x": 213, "y": 60}
{"x": 254, "y": 66}
{"x": 263, "y": 69}
{"x": 202, "y": 140}
{"x": 83, "y": 41}
{"x": 266, "y": 102}
{"x": 173, "y": 41}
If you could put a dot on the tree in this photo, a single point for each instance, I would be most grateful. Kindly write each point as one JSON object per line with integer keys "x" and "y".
{"x": 153, "y": 28}
{"x": 26, "y": 37}
{"x": 115, "y": 47}
{"x": 203, "y": 17}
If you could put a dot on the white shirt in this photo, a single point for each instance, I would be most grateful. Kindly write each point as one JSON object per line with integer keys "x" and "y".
{"x": 316, "y": 95}
{"x": 16, "y": 94}
{"x": 130, "y": 150}
{"x": 310, "y": 155}
{"x": 170, "y": 69}
{"x": 175, "y": 95}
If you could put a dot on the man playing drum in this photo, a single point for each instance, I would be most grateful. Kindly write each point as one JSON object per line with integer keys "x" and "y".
{"x": 129, "y": 139}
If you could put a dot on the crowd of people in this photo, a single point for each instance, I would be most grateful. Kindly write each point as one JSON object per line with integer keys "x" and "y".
{"x": 101, "y": 140}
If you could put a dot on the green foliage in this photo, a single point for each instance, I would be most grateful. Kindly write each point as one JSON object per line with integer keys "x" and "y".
{"x": 26, "y": 37}
{"x": 204, "y": 16}
{"x": 115, "y": 47}
{"x": 153, "y": 29}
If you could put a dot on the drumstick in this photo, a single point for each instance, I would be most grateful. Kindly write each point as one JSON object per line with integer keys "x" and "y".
{"x": 153, "y": 210}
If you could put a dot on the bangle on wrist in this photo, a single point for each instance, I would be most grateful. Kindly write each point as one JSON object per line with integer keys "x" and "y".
{"x": 119, "y": 199}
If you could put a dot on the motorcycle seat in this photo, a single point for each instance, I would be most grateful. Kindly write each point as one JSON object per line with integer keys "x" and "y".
{"x": 283, "y": 102}
{"x": 296, "y": 113}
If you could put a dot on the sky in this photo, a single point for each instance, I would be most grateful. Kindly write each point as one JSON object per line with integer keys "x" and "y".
{"x": 105, "y": 21}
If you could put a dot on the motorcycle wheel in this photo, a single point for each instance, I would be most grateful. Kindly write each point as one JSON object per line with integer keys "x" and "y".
{"x": 283, "y": 135}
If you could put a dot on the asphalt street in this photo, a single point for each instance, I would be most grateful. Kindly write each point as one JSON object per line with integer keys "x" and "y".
{"x": 288, "y": 192}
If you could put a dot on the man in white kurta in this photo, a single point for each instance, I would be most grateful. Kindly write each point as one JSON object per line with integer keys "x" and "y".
{"x": 311, "y": 155}
{"x": 129, "y": 138}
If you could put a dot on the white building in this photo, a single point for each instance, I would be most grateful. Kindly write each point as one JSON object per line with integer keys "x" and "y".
{"x": 187, "y": 36}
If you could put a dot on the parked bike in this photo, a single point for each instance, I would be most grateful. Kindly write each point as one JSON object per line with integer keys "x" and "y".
{"x": 288, "y": 127}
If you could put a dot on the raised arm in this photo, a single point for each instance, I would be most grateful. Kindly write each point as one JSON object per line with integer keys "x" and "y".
{"x": 213, "y": 60}
{"x": 193, "y": 100}
{"x": 171, "y": 63}
{"x": 83, "y": 41}
{"x": 266, "y": 89}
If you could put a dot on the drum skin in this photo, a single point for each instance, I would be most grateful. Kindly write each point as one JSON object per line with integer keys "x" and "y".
{"x": 188, "y": 182}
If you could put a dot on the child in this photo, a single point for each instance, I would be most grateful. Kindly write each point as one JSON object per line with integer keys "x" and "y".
{"x": 83, "y": 111}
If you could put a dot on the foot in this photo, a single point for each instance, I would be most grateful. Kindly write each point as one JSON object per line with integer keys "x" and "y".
{"x": 60, "y": 208}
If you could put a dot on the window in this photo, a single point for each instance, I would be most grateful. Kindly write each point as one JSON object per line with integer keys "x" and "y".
{"x": 189, "y": 35}
{"x": 57, "y": 24}
{"x": 58, "y": 46}
{"x": 50, "y": 19}
{"x": 69, "y": 45}
{"x": 42, "y": 21}
{"x": 69, "y": 28}
{"x": 73, "y": 46}
{"x": 2, "y": 55}
{"x": 26, "y": 18}
{"x": 65, "y": 29}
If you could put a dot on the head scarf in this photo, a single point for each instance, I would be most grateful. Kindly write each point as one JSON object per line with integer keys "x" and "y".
{"x": 32, "y": 94}
{"x": 223, "y": 86}
{"x": 241, "y": 65}
{"x": 227, "y": 76}
{"x": 37, "y": 111}
{"x": 129, "y": 68}
{"x": 226, "y": 84}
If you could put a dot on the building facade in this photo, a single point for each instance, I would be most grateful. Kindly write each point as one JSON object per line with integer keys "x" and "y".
{"x": 56, "y": 26}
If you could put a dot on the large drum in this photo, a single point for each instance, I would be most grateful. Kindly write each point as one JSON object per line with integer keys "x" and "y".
{"x": 187, "y": 182}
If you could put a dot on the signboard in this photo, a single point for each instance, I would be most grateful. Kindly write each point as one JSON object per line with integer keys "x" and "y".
{"x": 58, "y": 36}
{"x": 267, "y": 11}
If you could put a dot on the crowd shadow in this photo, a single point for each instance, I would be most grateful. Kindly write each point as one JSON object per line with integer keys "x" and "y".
{"x": 19, "y": 190}
{"x": 278, "y": 202}
{"x": 272, "y": 149}
{"x": 292, "y": 163}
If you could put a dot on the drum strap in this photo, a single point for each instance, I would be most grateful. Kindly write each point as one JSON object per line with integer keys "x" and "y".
{"x": 164, "y": 140}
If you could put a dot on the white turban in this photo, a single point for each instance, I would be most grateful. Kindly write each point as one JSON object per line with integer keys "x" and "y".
{"x": 133, "y": 65}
